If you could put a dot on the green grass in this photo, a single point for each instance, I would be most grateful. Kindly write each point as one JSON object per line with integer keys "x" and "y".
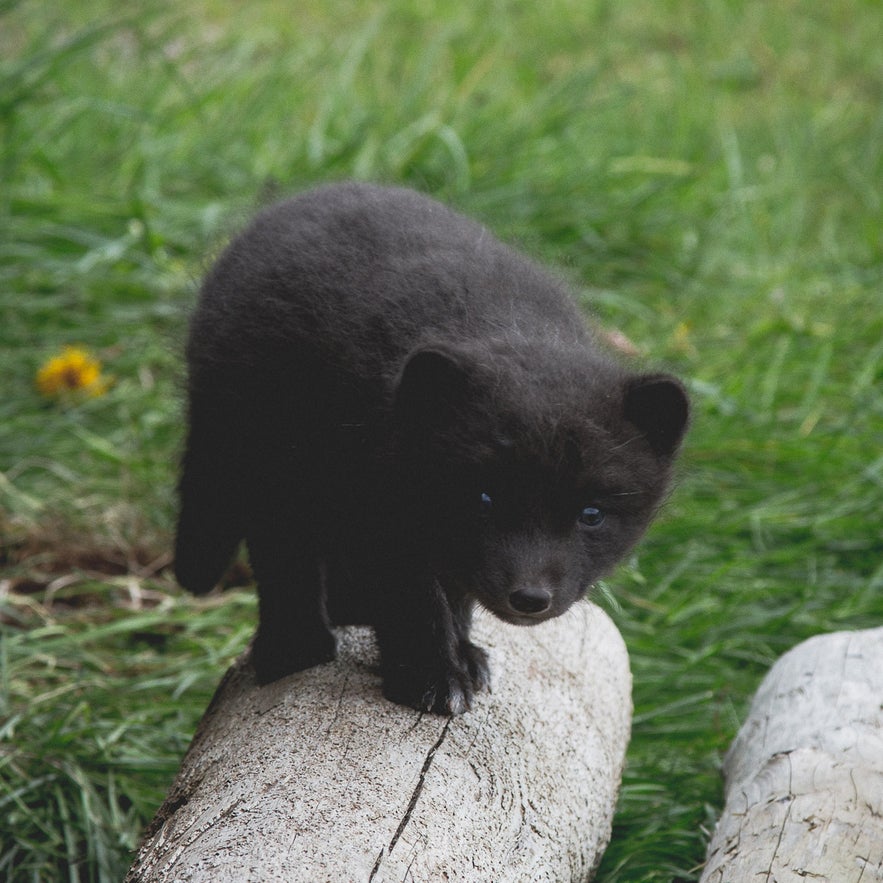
{"x": 707, "y": 173}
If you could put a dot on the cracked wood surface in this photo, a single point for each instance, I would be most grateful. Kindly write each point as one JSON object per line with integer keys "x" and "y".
{"x": 319, "y": 778}
{"x": 804, "y": 776}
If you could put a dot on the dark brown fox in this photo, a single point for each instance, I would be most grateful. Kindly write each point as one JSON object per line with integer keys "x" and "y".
{"x": 401, "y": 417}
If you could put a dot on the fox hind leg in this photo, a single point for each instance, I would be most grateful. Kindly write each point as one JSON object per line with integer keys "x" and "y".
{"x": 211, "y": 508}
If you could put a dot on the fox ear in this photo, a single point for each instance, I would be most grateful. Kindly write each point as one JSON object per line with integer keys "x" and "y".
{"x": 657, "y": 404}
{"x": 434, "y": 381}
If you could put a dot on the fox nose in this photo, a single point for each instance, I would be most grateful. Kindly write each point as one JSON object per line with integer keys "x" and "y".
{"x": 531, "y": 601}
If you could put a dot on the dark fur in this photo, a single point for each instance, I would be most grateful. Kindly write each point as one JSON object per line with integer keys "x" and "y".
{"x": 401, "y": 416}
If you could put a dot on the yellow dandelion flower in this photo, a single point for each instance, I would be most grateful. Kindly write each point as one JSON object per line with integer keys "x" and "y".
{"x": 73, "y": 370}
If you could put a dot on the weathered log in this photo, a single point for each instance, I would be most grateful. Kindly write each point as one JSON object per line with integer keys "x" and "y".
{"x": 317, "y": 777}
{"x": 804, "y": 776}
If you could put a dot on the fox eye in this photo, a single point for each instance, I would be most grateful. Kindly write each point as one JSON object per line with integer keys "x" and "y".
{"x": 485, "y": 505}
{"x": 591, "y": 516}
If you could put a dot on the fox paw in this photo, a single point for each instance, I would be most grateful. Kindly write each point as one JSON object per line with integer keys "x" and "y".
{"x": 439, "y": 689}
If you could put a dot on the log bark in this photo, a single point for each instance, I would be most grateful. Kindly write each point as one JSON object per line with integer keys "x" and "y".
{"x": 317, "y": 777}
{"x": 804, "y": 776}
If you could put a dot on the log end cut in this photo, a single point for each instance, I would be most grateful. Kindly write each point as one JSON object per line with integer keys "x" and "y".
{"x": 318, "y": 778}
{"x": 804, "y": 776}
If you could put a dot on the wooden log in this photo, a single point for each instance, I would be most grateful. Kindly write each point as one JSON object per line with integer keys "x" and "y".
{"x": 804, "y": 776}
{"x": 318, "y": 778}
